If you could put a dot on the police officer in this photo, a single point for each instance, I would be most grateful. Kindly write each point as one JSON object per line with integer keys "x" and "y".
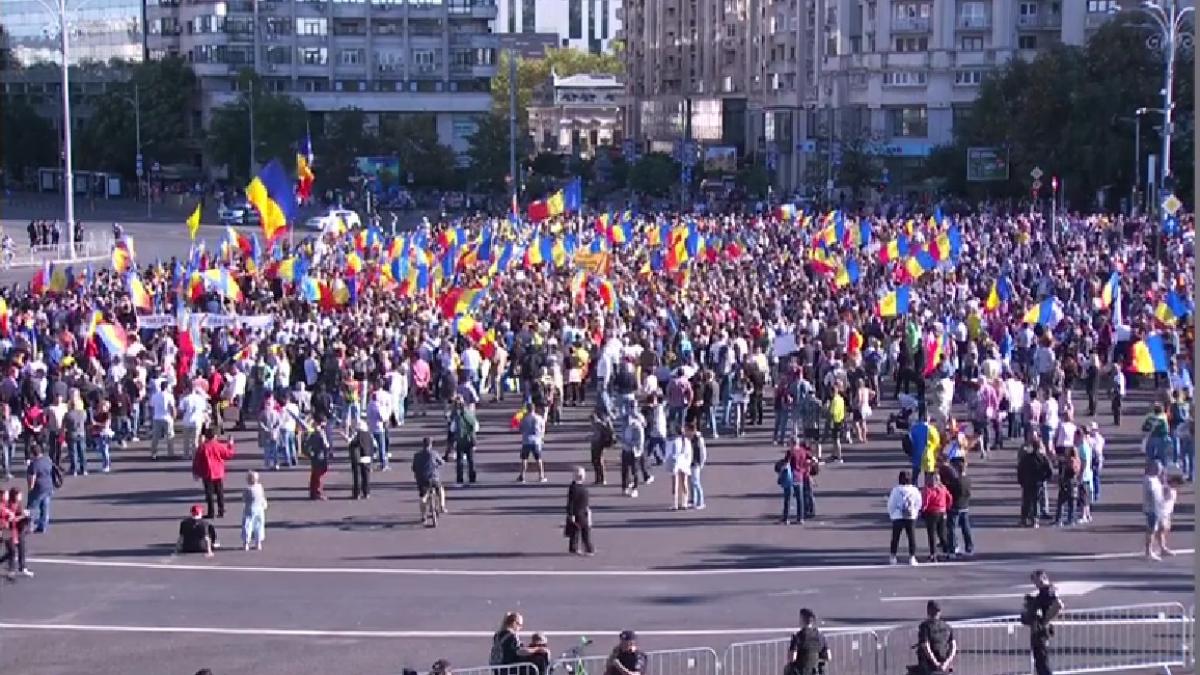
{"x": 936, "y": 646}
{"x": 808, "y": 652}
{"x": 1041, "y": 607}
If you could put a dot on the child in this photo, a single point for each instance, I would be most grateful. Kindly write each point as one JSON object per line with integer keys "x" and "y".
{"x": 254, "y": 512}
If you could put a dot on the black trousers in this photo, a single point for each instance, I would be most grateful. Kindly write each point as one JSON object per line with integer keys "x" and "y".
{"x": 629, "y": 469}
{"x": 1040, "y": 648}
{"x": 598, "y": 463}
{"x": 360, "y": 474}
{"x": 904, "y": 525}
{"x": 935, "y": 528}
{"x": 755, "y": 413}
{"x": 464, "y": 457}
{"x": 14, "y": 555}
{"x": 214, "y": 488}
{"x": 581, "y": 531}
{"x": 1029, "y": 503}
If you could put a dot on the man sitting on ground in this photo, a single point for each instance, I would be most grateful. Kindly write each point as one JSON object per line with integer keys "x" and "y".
{"x": 196, "y": 535}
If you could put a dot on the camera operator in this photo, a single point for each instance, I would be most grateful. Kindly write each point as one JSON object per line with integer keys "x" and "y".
{"x": 808, "y": 652}
{"x": 1040, "y": 610}
{"x": 936, "y": 646}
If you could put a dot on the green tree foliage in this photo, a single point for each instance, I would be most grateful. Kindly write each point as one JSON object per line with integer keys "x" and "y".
{"x": 279, "y": 124}
{"x": 488, "y": 152}
{"x": 533, "y": 75}
{"x": 754, "y": 179}
{"x": 1069, "y": 111}
{"x": 165, "y": 93}
{"x": 345, "y": 138}
{"x": 862, "y": 163}
{"x": 654, "y": 174}
{"x": 29, "y": 139}
{"x": 414, "y": 140}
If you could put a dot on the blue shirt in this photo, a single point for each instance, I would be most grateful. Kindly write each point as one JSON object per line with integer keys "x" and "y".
{"x": 42, "y": 471}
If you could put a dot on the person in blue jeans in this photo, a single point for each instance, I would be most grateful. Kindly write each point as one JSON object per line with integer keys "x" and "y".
{"x": 794, "y": 477}
{"x": 41, "y": 487}
{"x": 954, "y": 477}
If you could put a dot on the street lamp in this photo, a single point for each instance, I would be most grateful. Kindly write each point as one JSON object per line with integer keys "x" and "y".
{"x": 136, "y": 102}
{"x": 59, "y": 10}
{"x": 1170, "y": 24}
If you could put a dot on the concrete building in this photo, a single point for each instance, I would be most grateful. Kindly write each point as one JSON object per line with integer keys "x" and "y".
{"x": 385, "y": 57}
{"x": 587, "y": 25}
{"x": 583, "y": 113}
{"x": 100, "y": 31}
{"x": 787, "y": 82}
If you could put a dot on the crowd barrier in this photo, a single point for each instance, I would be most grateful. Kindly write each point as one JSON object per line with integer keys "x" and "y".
{"x": 93, "y": 246}
{"x": 1147, "y": 637}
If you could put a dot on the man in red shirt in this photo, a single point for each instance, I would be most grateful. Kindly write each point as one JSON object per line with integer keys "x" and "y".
{"x": 209, "y": 466}
{"x": 800, "y": 460}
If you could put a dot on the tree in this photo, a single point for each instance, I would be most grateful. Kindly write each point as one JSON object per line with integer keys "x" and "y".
{"x": 165, "y": 94}
{"x": 414, "y": 140}
{"x": 279, "y": 124}
{"x": 488, "y": 152}
{"x": 533, "y": 75}
{"x": 754, "y": 180}
{"x": 862, "y": 163}
{"x": 654, "y": 174}
{"x": 547, "y": 164}
{"x": 345, "y": 138}
{"x": 29, "y": 139}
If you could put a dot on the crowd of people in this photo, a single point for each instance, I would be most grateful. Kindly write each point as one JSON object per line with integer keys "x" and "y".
{"x": 675, "y": 331}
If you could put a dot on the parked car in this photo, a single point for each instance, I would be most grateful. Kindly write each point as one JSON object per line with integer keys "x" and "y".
{"x": 329, "y": 219}
{"x": 237, "y": 213}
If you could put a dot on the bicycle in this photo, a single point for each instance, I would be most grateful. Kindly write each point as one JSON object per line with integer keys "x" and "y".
{"x": 572, "y": 659}
{"x": 432, "y": 501}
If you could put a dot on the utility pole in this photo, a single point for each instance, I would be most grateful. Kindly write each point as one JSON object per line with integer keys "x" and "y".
{"x": 137, "y": 124}
{"x": 250, "y": 111}
{"x": 68, "y": 181}
{"x": 512, "y": 124}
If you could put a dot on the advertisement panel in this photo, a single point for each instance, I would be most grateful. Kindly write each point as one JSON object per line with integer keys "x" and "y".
{"x": 720, "y": 159}
{"x": 987, "y": 164}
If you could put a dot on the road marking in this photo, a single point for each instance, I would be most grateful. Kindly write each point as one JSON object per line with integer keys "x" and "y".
{"x": 404, "y": 634}
{"x": 426, "y": 572}
{"x": 1065, "y": 589}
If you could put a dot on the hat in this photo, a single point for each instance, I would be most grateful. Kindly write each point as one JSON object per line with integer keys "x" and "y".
{"x": 196, "y": 510}
{"x": 628, "y": 635}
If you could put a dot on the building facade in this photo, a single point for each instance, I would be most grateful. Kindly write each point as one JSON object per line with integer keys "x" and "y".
{"x": 587, "y": 25}
{"x": 100, "y": 31}
{"x": 385, "y": 57}
{"x": 790, "y": 82}
{"x": 584, "y": 113}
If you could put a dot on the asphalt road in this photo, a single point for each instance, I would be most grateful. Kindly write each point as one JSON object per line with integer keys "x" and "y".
{"x": 360, "y": 587}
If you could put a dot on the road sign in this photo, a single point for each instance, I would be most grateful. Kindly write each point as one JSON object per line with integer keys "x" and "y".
{"x": 1037, "y": 173}
{"x": 156, "y": 167}
{"x": 1172, "y": 204}
{"x": 1037, "y": 185}
{"x": 140, "y": 170}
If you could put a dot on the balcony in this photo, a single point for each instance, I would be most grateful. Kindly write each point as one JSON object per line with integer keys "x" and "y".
{"x": 1096, "y": 19}
{"x": 909, "y": 60}
{"x": 974, "y": 22}
{"x": 910, "y": 24}
{"x": 1040, "y": 21}
{"x": 976, "y": 58}
{"x": 349, "y": 10}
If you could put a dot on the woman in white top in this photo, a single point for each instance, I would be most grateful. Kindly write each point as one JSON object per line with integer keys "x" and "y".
{"x": 679, "y": 458}
{"x": 903, "y": 505}
{"x": 254, "y": 512}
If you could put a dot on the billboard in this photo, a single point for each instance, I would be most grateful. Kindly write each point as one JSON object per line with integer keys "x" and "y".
{"x": 720, "y": 159}
{"x": 384, "y": 170}
{"x": 987, "y": 164}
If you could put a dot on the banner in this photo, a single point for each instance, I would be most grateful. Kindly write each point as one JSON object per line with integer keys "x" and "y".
{"x": 258, "y": 321}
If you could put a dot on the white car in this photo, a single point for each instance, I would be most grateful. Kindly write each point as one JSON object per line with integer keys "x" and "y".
{"x": 329, "y": 220}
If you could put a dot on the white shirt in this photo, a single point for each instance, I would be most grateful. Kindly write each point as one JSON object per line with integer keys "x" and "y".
{"x": 162, "y": 405}
{"x": 471, "y": 359}
{"x": 904, "y": 502}
{"x": 193, "y": 409}
{"x": 679, "y": 454}
{"x": 1065, "y": 437}
{"x": 1050, "y": 412}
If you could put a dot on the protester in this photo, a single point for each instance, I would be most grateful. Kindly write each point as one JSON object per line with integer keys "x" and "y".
{"x": 208, "y": 466}
{"x": 196, "y": 534}
{"x": 254, "y": 512}
{"x": 904, "y": 504}
{"x": 579, "y": 515}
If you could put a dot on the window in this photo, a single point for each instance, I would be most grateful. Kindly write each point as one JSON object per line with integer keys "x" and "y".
{"x": 909, "y": 122}
{"x": 314, "y": 56}
{"x": 604, "y": 19}
{"x": 463, "y": 127}
{"x": 312, "y": 27}
{"x": 968, "y": 78}
{"x": 424, "y": 60}
{"x": 1027, "y": 9}
{"x": 575, "y": 19}
{"x": 278, "y": 26}
{"x": 912, "y": 44}
{"x": 972, "y": 14}
{"x": 1102, "y": 6}
{"x": 350, "y": 57}
{"x": 911, "y": 10}
{"x": 904, "y": 78}
{"x": 528, "y": 16}
{"x": 1026, "y": 42}
{"x": 512, "y": 16}
{"x": 972, "y": 43}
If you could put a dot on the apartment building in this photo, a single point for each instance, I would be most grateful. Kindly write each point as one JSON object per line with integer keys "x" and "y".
{"x": 386, "y": 57}
{"x": 587, "y": 25}
{"x": 788, "y": 81}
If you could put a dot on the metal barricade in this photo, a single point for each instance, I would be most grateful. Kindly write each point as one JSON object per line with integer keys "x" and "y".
{"x": 851, "y": 652}
{"x": 697, "y": 661}
{"x": 514, "y": 669}
{"x": 93, "y": 246}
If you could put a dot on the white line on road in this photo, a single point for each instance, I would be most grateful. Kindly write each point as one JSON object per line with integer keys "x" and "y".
{"x": 733, "y": 571}
{"x": 1064, "y": 589}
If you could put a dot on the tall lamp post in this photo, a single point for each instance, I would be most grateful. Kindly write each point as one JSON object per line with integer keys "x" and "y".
{"x": 136, "y": 102}
{"x": 59, "y": 9}
{"x": 1170, "y": 20}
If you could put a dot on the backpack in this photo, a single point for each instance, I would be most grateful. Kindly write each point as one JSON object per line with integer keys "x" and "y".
{"x": 785, "y": 478}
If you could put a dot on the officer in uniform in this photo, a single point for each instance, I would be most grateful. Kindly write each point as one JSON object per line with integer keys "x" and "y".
{"x": 808, "y": 652}
{"x": 936, "y": 646}
{"x": 1041, "y": 607}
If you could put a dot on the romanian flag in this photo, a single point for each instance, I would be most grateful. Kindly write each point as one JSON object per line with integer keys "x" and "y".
{"x": 896, "y": 302}
{"x": 934, "y": 353}
{"x": 654, "y": 235}
{"x": 304, "y": 173}
{"x": 460, "y": 301}
{"x": 556, "y": 204}
{"x": 538, "y": 211}
{"x": 620, "y": 233}
{"x": 894, "y": 250}
{"x": 1149, "y": 356}
{"x": 466, "y": 326}
{"x": 114, "y": 338}
{"x": 1045, "y": 313}
{"x": 1172, "y": 308}
{"x": 823, "y": 262}
{"x": 514, "y": 422}
{"x": 193, "y": 223}
{"x": 608, "y": 295}
{"x": 40, "y": 282}
{"x": 3, "y": 316}
{"x": 221, "y": 281}
{"x": 1111, "y": 292}
{"x": 947, "y": 245}
{"x": 97, "y": 319}
{"x": 292, "y": 269}
{"x": 239, "y": 241}
{"x": 354, "y": 264}
{"x": 487, "y": 344}
{"x": 854, "y": 342}
{"x": 603, "y": 222}
{"x": 271, "y": 194}
{"x": 122, "y": 259}
{"x": 847, "y": 275}
{"x": 540, "y": 252}
{"x": 138, "y": 294}
{"x": 1001, "y": 292}
{"x": 60, "y": 279}
{"x": 919, "y": 264}
{"x": 787, "y": 212}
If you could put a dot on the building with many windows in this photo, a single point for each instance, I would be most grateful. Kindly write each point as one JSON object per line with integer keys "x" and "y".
{"x": 386, "y": 57}
{"x": 100, "y": 30}
{"x": 787, "y": 82}
{"x": 581, "y": 114}
{"x": 588, "y": 25}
